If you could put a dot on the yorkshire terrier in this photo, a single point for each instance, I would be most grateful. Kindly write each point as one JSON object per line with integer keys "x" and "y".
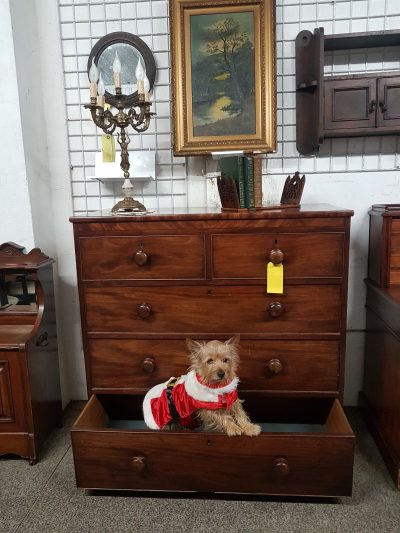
{"x": 205, "y": 396}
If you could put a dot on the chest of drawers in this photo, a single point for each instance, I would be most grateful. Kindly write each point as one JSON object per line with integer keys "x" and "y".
{"x": 146, "y": 283}
{"x": 384, "y": 245}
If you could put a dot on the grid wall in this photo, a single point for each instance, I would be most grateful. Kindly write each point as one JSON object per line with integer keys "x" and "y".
{"x": 83, "y": 22}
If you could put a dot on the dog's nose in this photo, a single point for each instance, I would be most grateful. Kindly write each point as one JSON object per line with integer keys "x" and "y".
{"x": 221, "y": 374}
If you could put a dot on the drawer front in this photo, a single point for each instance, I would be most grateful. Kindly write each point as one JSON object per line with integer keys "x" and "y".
{"x": 136, "y": 364}
{"x": 304, "y": 255}
{"x": 238, "y": 309}
{"x": 314, "y": 462}
{"x": 289, "y": 366}
{"x": 143, "y": 257}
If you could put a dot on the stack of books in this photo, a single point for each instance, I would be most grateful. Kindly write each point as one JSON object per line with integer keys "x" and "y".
{"x": 240, "y": 183}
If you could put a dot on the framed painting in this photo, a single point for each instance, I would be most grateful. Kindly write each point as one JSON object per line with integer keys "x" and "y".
{"x": 223, "y": 76}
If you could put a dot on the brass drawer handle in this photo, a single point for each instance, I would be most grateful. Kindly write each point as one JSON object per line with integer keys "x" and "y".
{"x": 144, "y": 310}
{"x": 275, "y": 366}
{"x": 141, "y": 258}
{"x": 281, "y": 467}
{"x": 275, "y": 309}
{"x": 148, "y": 365}
{"x": 276, "y": 256}
{"x": 138, "y": 463}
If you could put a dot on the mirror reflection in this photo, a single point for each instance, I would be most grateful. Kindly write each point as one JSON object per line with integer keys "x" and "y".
{"x": 17, "y": 293}
{"x": 129, "y": 57}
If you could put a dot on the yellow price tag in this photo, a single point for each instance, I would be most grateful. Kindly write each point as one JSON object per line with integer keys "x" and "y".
{"x": 275, "y": 278}
{"x": 108, "y": 148}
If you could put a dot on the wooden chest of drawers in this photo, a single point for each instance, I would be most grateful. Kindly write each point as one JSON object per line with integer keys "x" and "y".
{"x": 384, "y": 245}
{"x": 148, "y": 282}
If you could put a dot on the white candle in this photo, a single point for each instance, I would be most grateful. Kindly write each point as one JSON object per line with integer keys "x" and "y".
{"x": 146, "y": 87}
{"x": 93, "y": 77}
{"x": 101, "y": 90}
{"x": 117, "y": 71}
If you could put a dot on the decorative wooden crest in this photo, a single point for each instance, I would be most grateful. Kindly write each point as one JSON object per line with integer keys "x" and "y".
{"x": 228, "y": 192}
{"x": 12, "y": 256}
{"x": 293, "y": 189}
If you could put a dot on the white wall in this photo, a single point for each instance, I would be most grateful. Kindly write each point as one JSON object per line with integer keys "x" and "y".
{"x": 16, "y": 222}
{"x": 352, "y": 173}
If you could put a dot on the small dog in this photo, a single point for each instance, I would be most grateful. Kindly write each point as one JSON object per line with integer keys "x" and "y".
{"x": 206, "y": 395}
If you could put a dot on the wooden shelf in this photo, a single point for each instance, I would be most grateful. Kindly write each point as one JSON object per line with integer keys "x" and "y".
{"x": 346, "y": 105}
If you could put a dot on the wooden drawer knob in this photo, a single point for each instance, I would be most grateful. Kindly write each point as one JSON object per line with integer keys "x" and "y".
{"x": 275, "y": 309}
{"x": 275, "y": 366}
{"x": 281, "y": 467}
{"x": 141, "y": 257}
{"x": 138, "y": 463}
{"x": 144, "y": 310}
{"x": 276, "y": 256}
{"x": 148, "y": 365}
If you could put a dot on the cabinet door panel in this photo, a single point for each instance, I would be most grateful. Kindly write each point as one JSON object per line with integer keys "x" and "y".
{"x": 388, "y": 114}
{"x": 6, "y": 407}
{"x": 350, "y": 104}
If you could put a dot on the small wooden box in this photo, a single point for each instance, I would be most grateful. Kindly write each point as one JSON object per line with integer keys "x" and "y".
{"x": 384, "y": 245}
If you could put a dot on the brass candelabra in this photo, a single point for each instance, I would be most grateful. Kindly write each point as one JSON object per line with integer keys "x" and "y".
{"x": 138, "y": 116}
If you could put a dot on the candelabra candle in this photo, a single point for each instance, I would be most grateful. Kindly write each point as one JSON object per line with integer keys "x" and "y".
{"x": 138, "y": 117}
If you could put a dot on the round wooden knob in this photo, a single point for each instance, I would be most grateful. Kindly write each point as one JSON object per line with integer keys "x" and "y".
{"x": 148, "y": 365}
{"x": 138, "y": 463}
{"x": 281, "y": 467}
{"x": 144, "y": 310}
{"x": 275, "y": 309}
{"x": 276, "y": 256}
{"x": 274, "y": 366}
{"x": 141, "y": 257}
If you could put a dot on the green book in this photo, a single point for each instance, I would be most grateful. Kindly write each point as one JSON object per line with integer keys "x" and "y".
{"x": 249, "y": 181}
{"x": 234, "y": 167}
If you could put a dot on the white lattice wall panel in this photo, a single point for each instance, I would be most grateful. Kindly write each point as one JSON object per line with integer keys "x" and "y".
{"x": 179, "y": 180}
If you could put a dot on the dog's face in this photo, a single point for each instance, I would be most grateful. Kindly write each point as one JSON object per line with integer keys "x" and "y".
{"x": 215, "y": 362}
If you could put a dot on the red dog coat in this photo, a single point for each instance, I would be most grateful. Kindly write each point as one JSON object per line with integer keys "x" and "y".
{"x": 189, "y": 395}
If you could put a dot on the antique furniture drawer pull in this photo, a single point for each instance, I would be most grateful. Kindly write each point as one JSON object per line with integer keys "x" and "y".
{"x": 372, "y": 106}
{"x": 43, "y": 339}
{"x": 276, "y": 256}
{"x": 144, "y": 310}
{"x": 281, "y": 467}
{"x": 383, "y": 107}
{"x": 275, "y": 366}
{"x": 275, "y": 309}
{"x": 138, "y": 463}
{"x": 141, "y": 258}
{"x": 148, "y": 365}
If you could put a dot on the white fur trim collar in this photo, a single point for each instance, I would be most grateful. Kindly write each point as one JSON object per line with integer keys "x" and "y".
{"x": 201, "y": 392}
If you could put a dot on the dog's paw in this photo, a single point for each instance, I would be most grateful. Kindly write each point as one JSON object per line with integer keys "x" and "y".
{"x": 252, "y": 430}
{"x": 233, "y": 430}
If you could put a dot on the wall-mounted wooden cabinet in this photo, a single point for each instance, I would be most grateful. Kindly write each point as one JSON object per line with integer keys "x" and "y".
{"x": 343, "y": 106}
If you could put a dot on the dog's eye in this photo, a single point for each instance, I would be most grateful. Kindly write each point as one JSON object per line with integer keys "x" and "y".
{"x": 210, "y": 361}
{"x": 226, "y": 360}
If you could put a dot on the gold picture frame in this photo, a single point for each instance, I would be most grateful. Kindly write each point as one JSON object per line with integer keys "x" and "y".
{"x": 223, "y": 76}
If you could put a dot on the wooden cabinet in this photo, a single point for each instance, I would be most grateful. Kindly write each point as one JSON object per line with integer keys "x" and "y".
{"x": 30, "y": 402}
{"x": 342, "y": 106}
{"x": 381, "y": 395}
{"x": 148, "y": 282}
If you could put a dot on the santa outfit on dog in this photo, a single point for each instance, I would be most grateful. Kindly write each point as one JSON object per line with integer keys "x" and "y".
{"x": 178, "y": 399}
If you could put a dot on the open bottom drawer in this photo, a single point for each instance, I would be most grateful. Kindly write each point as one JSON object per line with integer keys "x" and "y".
{"x": 305, "y": 448}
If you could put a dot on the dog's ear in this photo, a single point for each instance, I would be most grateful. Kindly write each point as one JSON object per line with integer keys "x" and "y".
{"x": 233, "y": 341}
{"x": 194, "y": 347}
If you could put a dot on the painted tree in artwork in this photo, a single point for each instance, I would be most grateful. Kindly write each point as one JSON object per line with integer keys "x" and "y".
{"x": 232, "y": 49}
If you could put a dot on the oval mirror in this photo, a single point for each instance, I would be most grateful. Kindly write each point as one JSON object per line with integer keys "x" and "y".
{"x": 130, "y": 49}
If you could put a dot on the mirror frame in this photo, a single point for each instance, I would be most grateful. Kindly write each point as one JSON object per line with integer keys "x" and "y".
{"x": 141, "y": 47}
